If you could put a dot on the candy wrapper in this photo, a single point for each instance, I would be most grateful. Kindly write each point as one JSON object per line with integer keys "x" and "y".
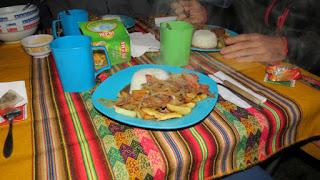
{"x": 283, "y": 72}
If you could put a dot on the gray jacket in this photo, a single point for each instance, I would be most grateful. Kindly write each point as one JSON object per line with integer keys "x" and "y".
{"x": 302, "y": 26}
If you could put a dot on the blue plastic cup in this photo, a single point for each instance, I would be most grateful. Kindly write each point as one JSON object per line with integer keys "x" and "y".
{"x": 74, "y": 60}
{"x": 69, "y": 20}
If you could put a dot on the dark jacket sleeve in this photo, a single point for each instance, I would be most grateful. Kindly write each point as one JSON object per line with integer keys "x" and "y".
{"x": 303, "y": 36}
{"x": 304, "y": 51}
{"x": 219, "y": 3}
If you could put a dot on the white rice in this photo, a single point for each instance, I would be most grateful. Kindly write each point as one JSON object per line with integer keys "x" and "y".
{"x": 204, "y": 39}
{"x": 139, "y": 77}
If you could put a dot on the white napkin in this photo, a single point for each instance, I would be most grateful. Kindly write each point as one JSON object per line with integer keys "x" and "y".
{"x": 159, "y": 20}
{"x": 223, "y": 76}
{"x": 230, "y": 96}
{"x": 141, "y": 43}
{"x": 20, "y": 88}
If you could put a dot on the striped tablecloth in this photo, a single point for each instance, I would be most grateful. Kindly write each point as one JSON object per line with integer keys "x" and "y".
{"x": 73, "y": 140}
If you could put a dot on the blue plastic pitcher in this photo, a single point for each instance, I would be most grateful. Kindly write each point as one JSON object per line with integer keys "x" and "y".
{"x": 74, "y": 60}
{"x": 70, "y": 20}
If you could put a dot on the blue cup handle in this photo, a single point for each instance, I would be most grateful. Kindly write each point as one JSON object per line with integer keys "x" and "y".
{"x": 108, "y": 60}
{"x": 54, "y": 28}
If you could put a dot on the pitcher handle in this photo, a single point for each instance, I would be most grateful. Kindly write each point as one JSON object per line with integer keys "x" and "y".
{"x": 108, "y": 60}
{"x": 54, "y": 28}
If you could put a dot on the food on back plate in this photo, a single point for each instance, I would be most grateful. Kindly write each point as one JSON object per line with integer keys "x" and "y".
{"x": 157, "y": 95}
{"x": 220, "y": 32}
{"x": 204, "y": 39}
{"x": 221, "y": 35}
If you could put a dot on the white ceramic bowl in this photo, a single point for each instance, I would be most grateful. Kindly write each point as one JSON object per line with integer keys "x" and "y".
{"x": 19, "y": 24}
{"x": 15, "y": 37}
{"x": 37, "y": 45}
{"x": 15, "y": 12}
{"x": 16, "y": 24}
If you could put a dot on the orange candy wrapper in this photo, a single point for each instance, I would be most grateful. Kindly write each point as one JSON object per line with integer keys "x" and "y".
{"x": 283, "y": 72}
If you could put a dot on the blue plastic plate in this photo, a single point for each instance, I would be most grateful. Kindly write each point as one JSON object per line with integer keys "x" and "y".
{"x": 128, "y": 22}
{"x": 115, "y": 83}
{"x": 231, "y": 33}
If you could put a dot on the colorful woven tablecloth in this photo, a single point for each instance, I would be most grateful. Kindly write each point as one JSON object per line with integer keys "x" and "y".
{"x": 73, "y": 140}
{"x": 305, "y": 95}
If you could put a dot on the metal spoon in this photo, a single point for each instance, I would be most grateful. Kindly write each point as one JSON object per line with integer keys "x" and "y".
{"x": 8, "y": 145}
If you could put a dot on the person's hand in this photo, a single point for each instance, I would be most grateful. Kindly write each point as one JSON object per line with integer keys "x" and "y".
{"x": 190, "y": 11}
{"x": 255, "y": 47}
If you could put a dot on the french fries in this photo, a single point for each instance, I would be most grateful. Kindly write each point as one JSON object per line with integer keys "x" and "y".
{"x": 190, "y": 105}
{"x": 125, "y": 111}
{"x": 176, "y": 111}
{"x": 184, "y": 110}
{"x": 161, "y": 116}
{"x": 200, "y": 97}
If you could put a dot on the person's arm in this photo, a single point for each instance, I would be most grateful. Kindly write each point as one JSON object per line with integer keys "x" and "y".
{"x": 300, "y": 50}
{"x": 190, "y": 11}
{"x": 194, "y": 11}
{"x": 255, "y": 47}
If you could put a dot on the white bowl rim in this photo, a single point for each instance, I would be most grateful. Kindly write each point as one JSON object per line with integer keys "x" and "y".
{"x": 28, "y": 38}
{"x": 20, "y": 7}
{"x": 37, "y": 13}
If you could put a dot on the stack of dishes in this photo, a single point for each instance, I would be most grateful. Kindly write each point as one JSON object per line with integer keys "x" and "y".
{"x": 16, "y": 23}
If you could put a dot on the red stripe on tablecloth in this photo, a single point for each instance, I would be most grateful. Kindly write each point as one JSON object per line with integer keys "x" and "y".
{"x": 95, "y": 148}
{"x": 139, "y": 28}
{"x": 134, "y": 61}
{"x": 92, "y": 140}
{"x": 283, "y": 122}
{"x": 76, "y": 165}
{"x": 272, "y": 128}
{"x": 209, "y": 140}
{"x": 195, "y": 150}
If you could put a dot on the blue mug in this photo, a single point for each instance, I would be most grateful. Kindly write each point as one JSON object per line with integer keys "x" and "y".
{"x": 69, "y": 20}
{"x": 74, "y": 60}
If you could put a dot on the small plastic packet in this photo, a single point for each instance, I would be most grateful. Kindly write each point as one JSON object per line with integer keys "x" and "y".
{"x": 283, "y": 72}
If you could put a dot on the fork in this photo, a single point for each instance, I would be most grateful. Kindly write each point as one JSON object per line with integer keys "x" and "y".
{"x": 8, "y": 145}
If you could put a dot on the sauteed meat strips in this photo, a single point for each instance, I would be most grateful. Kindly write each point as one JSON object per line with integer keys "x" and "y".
{"x": 178, "y": 89}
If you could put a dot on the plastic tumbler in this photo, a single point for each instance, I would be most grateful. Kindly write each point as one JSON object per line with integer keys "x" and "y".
{"x": 70, "y": 20}
{"x": 175, "y": 43}
{"x": 74, "y": 60}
